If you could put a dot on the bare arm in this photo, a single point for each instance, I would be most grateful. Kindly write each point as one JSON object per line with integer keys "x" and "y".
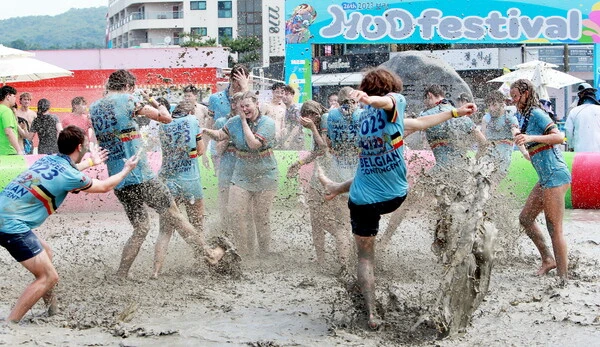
{"x": 425, "y": 122}
{"x": 13, "y": 140}
{"x": 200, "y": 148}
{"x": 216, "y": 134}
{"x": 515, "y": 131}
{"x": 321, "y": 147}
{"x": 249, "y": 136}
{"x": 157, "y": 112}
{"x": 552, "y": 138}
{"x": 106, "y": 185}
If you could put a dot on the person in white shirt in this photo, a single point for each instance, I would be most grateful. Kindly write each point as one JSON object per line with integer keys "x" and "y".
{"x": 582, "y": 127}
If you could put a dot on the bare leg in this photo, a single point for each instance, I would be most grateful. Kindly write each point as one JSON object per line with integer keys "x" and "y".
{"x": 554, "y": 209}
{"x": 366, "y": 275}
{"x": 396, "y": 219}
{"x": 49, "y": 297}
{"x": 165, "y": 231}
{"x": 141, "y": 226}
{"x": 225, "y": 219}
{"x": 238, "y": 209}
{"x": 261, "y": 205}
{"x": 45, "y": 279}
{"x": 533, "y": 206}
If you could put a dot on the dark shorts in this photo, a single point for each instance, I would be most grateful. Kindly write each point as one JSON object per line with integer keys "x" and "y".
{"x": 21, "y": 246}
{"x": 365, "y": 218}
{"x": 153, "y": 193}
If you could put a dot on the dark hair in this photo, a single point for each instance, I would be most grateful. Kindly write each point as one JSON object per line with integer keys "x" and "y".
{"x": 43, "y": 106}
{"x": 435, "y": 90}
{"x": 524, "y": 85}
{"x": 464, "y": 97}
{"x": 587, "y": 94}
{"x": 278, "y": 85}
{"x": 164, "y": 102}
{"x": 6, "y": 91}
{"x": 78, "y": 100}
{"x": 120, "y": 80}
{"x": 288, "y": 89}
{"x": 380, "y": 81}
{"x": 239, "y": 68}
{"x": 190, "y": 89}
{"x": 69, "y": 138}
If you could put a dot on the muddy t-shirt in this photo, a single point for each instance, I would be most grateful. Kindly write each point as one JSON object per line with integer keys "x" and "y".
{"x": 255, "y": 169}
{"x": 448, "y": 139}
{"x": 45, "y": 126}
{"x": 381, "y": 175}
{"x": 118, "y": 132}
{"x": 498, "y": 132}
{"x": 227, "y": 159}
{"x": 35, "y": 194}
{"x": 178, "y": 140}
{"x": 343, "y": 133}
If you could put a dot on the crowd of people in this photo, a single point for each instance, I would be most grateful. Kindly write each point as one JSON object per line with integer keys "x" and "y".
{"x": 356, "y": 151}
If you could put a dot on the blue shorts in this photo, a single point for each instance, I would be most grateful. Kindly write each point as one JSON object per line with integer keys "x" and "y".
{"x": 21, "y": 246}
{"x": 189, "y": 191}
{"x": 555, "y": 178}
{"x": 365, "y": 218}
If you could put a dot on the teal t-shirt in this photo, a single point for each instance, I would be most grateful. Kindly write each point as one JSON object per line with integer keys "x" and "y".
{"x": 381, "y": 175}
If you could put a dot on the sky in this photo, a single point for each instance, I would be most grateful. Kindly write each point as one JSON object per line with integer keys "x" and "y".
{"x": 21, "y": 8}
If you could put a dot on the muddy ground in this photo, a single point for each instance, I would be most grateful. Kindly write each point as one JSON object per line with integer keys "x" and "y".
{"x": 286, "y": 299}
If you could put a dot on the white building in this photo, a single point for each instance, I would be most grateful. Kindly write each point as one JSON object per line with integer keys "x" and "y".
{"x": 135, "y": 23}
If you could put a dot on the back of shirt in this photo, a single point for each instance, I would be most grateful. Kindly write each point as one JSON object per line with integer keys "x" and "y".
{"x": 178, "y": 141}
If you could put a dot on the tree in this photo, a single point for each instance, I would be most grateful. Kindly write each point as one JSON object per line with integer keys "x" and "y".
{"x": 195, "y": 40}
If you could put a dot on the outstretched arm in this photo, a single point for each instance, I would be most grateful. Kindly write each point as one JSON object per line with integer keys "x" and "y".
{"x": 425, "y": 122}
{"x": 106, "y": 185}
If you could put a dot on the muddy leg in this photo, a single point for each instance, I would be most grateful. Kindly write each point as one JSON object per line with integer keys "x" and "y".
{"x": 554, "y": 209}
{"x": 533, "y": 206}
{"x": 141, "y": 226}
{"x": 262, "y": 202}
{"x": 365, "y": 270}
{"x": 165, "y": 231}
{"x": 238, "y": 211}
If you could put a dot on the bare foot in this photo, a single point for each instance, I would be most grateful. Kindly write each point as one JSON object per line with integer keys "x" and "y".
{"x": 547, "y": 265}
{"x": 328, "y": 184}
{"x": 374, "y": 322}
{"x": 52, "y": 307}
{"x": 214, "y": 255}
{"x": 154, "y": 276}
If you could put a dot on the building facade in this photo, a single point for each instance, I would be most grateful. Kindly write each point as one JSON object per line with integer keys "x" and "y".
{"x": 151, "y": 23}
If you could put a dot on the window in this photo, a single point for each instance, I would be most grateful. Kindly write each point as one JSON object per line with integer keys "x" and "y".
{"x": 199, "y": 31}
{"x": 225, "y": 32}
{"x": 224, "y": 8}
{"x": 197, "y": 5}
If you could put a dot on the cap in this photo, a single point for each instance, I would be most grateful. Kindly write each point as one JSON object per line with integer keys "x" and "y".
{"x": 584, "y": 86}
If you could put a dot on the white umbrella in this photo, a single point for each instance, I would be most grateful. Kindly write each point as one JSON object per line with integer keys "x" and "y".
{"x": 541, "y": 74}
{"x": 21, "y": 69}
{"x": 12, "y": 52}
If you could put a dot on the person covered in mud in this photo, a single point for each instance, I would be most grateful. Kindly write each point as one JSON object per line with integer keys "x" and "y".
{"x": 498, "y": 127}
{"x": 219, "y": 104}
{"x": 181, "y": 142}
{"x": 113, "y": 118}
{"x": 541, "y": 137}
{"x": 254, "y": 178}
{"x": 225, "y": 151}
{"x": 450, "y": 143}
{"x": 28, "y": 200}
{"x": 380, "y": 185}
{"x": 324, "y": 215}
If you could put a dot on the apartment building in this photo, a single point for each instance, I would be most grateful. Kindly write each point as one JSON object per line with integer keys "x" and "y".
{"x": 151, "y": 23}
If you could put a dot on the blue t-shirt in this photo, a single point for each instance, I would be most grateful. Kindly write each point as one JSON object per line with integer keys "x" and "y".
{"x": 35, "y": 194}
{"x": 547, "y": 160}
{"x": 381, "y": 175}
{"x": 447, "y": 139}
{"x": 219, "y": 104}
{"x": 498, "y": 132}
{"x": 180, "y": 155}
{"x": 227, "y": 161}
{"x": 255, "y": 169}
{"x": 343, "y": 133}
{"x": 118, "y": 132}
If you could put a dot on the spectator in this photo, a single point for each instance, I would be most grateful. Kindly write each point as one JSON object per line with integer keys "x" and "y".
{"x": 582, "y": 127}
{"x": 47, "y": 126}
{"x": 9, "y": 137}
{"x": 79, "y": 117}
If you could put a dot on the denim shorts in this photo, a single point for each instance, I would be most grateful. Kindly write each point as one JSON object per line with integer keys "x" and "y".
{"x": 21, "y": 246}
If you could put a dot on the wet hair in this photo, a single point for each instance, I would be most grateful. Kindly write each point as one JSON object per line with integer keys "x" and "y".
{"x": 237, "y": 97}
{"x": 249, "y": 95}
{"x": 43, "y": 106}
{"x": 183, "y": 108}
{"x": 533, "y": 101}
{"x": 78, "y": 100}
{"x": 6, "y": 91}
{"x": 495, "y": 97}
{"x": 120, "y": 80}
{"x": 435, "y": 90}
{"x": 289, "y": 90}
{"x": 278, "y": 85}
{"x": 239, "y": 68}
{"x": 380, "y": 81}
{"x": 312, "y": 107}
{"x": 344, "y": 94}
{"x": 69, "y": 138}
{"x": 164, "y": 102}
{"x": 464, "y": 97}
{"x": 331, "y": 94}
{"x": 24, "y": 95}
{"x": 190, "y": 89}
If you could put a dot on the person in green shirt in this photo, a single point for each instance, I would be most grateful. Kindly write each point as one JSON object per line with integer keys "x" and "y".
{"x": 9, "y": 137}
